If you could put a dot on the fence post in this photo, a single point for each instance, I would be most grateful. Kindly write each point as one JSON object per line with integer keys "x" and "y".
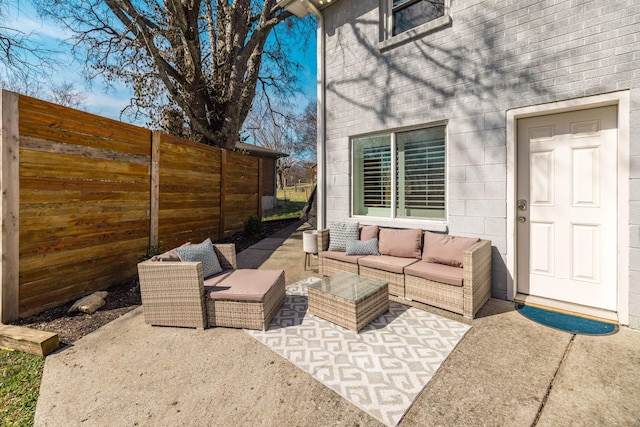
{"x": 260, "y": 186}
{"x": 223, "y": 173}
{"x": 10, "y": 211}
{"x": 155, "y": 189}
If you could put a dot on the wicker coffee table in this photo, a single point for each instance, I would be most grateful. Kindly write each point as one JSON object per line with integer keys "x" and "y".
{"x": 349, "y": 300}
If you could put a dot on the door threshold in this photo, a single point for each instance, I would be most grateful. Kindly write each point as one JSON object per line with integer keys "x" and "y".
{"x": 568, "y": 308}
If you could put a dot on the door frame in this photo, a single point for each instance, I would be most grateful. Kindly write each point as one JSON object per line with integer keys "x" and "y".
{"x": 622, "y": 101}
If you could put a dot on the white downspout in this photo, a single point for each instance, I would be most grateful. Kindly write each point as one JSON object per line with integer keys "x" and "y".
{"x": 321, "y": 112}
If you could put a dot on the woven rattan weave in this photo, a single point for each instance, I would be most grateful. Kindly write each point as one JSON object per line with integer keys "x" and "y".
{"x": 466, "y": 299}
{"x": 173, "y": 294}
{"x": 349, "y": 300}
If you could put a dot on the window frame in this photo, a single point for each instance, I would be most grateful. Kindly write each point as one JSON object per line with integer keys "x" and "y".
{"x": 394, "y": 220}
{"x": 388, "y": 40}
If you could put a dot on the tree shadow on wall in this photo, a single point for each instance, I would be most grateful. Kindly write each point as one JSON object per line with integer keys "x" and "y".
{"x": 468, "y": 67}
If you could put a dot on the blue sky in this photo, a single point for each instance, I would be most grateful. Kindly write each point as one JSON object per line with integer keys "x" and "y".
{"x": 108, "y": 102}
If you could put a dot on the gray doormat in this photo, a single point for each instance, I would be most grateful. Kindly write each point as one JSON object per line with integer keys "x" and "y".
{"x": 382, "y": 369}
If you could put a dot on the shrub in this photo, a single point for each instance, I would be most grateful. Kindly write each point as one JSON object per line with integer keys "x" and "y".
{"x": 253, "y": 225}
{"x": 151, "y": 252}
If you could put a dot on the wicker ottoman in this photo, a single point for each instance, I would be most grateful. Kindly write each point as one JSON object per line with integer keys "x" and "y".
{"x": 245, "y": 299}
{"x": 349, "y": 300}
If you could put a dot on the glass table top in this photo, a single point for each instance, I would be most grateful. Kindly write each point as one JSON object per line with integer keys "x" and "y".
{"x": 348, "y": 286}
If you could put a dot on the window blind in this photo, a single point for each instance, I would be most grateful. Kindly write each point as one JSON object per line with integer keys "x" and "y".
{"x": 421, "y": 173}
{"x": 377, "y": 176}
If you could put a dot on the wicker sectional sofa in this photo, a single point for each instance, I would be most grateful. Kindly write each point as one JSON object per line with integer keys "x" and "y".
{"x": 175, "y": 293}
{"x": 452, "y": 273}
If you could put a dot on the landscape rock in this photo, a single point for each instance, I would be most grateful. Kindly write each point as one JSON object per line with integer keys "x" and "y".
{"x": 89, "y": 304}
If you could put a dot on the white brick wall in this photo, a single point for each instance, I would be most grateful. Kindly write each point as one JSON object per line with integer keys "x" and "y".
{"x": 495, "y": 56}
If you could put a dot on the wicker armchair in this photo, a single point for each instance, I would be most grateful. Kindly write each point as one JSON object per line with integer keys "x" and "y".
{"x": 173, "y": 292}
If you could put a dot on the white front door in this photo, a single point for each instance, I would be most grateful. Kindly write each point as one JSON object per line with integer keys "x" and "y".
{"x": 567, "y": 207}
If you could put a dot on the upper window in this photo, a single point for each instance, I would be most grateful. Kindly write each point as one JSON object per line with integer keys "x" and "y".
{"x": 404, "y": 20}
{"x": 408, "y": 14}
{"x": 417, "y": 187}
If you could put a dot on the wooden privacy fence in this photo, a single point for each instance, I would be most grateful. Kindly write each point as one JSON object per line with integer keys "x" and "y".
{"x": 83, "y": 197}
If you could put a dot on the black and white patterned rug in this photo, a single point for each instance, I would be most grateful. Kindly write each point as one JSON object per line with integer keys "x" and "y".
{"x": 382, "y": 369}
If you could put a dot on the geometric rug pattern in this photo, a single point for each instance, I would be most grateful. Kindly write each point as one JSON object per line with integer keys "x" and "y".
{"x": 382, "y": 369}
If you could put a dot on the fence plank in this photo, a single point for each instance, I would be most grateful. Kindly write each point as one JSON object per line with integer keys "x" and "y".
{"x": 70, "y": 240}
{"x": 47, "y": 183}
{"x": 41, "y": 235}
{"x": 48, "y": 146}
{"x": 42, "y": 164}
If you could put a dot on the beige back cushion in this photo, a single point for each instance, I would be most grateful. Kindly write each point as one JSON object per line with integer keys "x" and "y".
{"x": 369, "y": 232}
{"x": 445, "y": 249}
{"x": 402, "y": 243}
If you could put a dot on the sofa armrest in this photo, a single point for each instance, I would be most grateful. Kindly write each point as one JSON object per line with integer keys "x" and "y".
{"x": 172, "y": 293}
{"x": 226, "y": 253}
{"x": 323, "y": 240}
{"x": 477, "y": 276}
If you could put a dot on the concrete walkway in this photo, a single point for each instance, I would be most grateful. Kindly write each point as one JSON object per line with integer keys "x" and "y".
{"x": 507, "y": 371}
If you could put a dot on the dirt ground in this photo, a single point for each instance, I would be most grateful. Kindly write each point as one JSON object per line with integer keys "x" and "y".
{"x": 123, "y": 297}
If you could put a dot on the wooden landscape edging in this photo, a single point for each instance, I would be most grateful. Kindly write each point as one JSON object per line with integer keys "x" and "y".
{"x": 27, "y": 340}
{"x": 85, "y": 196}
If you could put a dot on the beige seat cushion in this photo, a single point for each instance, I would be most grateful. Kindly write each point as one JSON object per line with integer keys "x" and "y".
{"x": 436, "y": 272}
{"x": 217, "y": 278}
{"x": 244, "y": 285}
{"x": 392, "y": 264}
{"x": 341, "y": 256}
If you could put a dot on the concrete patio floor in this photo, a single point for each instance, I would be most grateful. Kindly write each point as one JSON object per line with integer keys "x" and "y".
{"x": 507, "y": 370}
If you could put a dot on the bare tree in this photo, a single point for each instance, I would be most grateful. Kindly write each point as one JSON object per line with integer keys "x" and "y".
{"x": 26, "y": 84}
{"x": 302, "y": 172}
{"x": 66, "y": 94}
{"x": 24, "y": 63}
{"x": 308, "y": 131}
{"x": 206, "y": 58}
{"x": 274, "y": 127}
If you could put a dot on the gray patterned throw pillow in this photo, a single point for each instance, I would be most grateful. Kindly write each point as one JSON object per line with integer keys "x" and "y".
{"x": 204, "y": 253}
{"x": 340, "y": 233}
{"x": 359, "y": 247}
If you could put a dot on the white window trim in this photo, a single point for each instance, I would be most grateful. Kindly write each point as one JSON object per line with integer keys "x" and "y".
{"x": 429, "y": 225}
{"x": 388, "y": 40}
{"x": 393, "y": 222}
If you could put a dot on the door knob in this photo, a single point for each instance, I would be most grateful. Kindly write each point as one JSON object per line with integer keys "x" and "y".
{"x": 522, "y": 219}
{"x": 522, "y": 205}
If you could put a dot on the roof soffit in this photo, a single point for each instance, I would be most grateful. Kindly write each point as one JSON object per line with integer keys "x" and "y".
{"x": 299, "y": 8}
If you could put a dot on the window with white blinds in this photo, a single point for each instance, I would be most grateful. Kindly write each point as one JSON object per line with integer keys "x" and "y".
{"x": 420, "y": 173}
{"x": 414, "y": 189}
{"x": 372, "y": 167}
